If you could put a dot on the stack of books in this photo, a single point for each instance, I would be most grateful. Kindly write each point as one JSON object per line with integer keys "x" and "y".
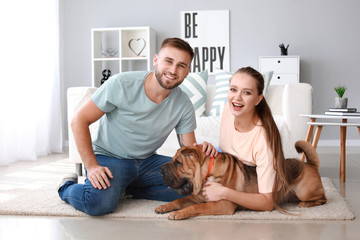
{"x": 343, "y": 112}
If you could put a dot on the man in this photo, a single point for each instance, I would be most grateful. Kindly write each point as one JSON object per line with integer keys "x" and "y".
{"x": 138, "y": 110}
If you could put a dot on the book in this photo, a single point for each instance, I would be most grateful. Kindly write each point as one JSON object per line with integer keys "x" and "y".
{"x": 343, "y": 113}
{"x": 342, "y": 109}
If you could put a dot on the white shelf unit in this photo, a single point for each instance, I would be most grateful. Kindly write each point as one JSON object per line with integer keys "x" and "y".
{"x": 110, "y": 50}
{"x": 286, "y": 68}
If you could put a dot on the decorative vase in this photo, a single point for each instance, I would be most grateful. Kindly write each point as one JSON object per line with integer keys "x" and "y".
{"x": 284, "y": 50}
{"x": 341, "y": 102}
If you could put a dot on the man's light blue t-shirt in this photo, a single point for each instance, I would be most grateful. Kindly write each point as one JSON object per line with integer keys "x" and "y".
{"x": 134, "y": 126}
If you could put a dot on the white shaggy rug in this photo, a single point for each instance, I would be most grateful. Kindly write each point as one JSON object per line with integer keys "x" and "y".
{"x": 46, "y": 202}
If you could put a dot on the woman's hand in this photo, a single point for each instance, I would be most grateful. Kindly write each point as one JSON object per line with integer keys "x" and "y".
{"x": 213, "y": 191}
{"x": 209, "y": 149}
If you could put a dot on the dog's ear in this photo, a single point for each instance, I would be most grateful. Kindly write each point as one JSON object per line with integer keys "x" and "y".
{"x": 195, "y": 152}
{"x": 187, "y": 152}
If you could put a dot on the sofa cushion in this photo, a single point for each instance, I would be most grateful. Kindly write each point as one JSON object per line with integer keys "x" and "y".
{"x": 222, "y": 86}
{"x": 76, "y": 98}
{"x": 286, "y": 137}
{"x": 267, "y": 78}
{"x": 194, "y": 86}
{"x": 222, "y": 79}
{"x": 208, "y": 129}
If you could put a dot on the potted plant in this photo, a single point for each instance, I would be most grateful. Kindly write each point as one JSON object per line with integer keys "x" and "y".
{"x": 340, "y": 102}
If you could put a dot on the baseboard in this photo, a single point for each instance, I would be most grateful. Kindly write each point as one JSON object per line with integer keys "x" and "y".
{"x": 335, "y": 143}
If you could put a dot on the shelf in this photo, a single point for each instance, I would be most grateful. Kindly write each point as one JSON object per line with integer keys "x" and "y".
{"x": 123, "y": 59}
{"x": 134, "y": 58}
{"x": 121, "y": 50}
{"x": 107, "y": 59}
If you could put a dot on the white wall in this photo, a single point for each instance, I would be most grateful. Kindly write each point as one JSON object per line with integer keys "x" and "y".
{"x": 324, "y": 33}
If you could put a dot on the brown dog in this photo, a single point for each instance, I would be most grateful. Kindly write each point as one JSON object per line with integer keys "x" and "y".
{"x": 190, "y": 168}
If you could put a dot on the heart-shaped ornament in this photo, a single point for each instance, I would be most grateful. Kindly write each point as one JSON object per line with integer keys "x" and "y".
{"x": 137, "y": 45}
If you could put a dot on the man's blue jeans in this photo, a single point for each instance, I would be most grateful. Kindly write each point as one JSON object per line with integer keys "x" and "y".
{"x": 141, "y": 178}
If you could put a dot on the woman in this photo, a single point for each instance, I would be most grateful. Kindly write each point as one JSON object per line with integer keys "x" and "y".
{"x": 249, "y": 132}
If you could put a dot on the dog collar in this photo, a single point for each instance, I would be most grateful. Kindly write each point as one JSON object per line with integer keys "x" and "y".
{"x": 211, "y": 164}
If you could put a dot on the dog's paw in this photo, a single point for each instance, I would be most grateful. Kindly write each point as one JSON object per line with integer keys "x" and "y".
{"x": 303, "y": 204}
{"x": 163, "y": 209}
{"x": 308, "y": 204}
{"x": 178, "y": 215}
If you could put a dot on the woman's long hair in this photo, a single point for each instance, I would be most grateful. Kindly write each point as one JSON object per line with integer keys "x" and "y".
{"x": 282, "y": 184}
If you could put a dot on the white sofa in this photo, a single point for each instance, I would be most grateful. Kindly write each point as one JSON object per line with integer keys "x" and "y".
{"x": 286, "y": 103}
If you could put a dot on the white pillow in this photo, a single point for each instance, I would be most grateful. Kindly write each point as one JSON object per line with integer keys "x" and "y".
{"x": 288, "y": 143}
{"x": 267, "y": 78}
{"x": 208, "y": 129}
{"x": 194, "y": 86}
{"x": 222, "y": 79}
{"x": 222, "y": 87}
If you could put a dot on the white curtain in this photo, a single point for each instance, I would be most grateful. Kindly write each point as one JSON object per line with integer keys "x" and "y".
{"x": 30, "y": 120}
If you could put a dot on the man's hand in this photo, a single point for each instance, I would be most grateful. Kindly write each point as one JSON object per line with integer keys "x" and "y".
{"x": 98, "y": 176}
{"x": 209, "y": 149}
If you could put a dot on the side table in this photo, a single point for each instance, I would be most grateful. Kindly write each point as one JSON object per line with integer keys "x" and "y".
{"x": 343, "y": 125}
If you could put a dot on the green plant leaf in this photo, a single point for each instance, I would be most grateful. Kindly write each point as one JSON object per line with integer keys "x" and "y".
{"x": 340, "y": 90}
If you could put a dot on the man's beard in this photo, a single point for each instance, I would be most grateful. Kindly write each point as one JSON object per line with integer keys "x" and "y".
{"x": 162, "y": 84}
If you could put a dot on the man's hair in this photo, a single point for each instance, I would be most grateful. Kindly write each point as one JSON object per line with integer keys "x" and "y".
{"x": 179, "y": 44}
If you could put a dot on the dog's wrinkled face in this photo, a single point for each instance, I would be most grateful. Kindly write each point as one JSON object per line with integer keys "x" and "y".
{"x": 183, "y": 173}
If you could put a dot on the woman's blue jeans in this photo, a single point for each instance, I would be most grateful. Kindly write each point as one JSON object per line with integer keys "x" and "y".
{"x": 141, "y": 178}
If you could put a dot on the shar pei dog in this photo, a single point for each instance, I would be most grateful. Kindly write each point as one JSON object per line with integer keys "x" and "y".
{"x": 190, "y": 168}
